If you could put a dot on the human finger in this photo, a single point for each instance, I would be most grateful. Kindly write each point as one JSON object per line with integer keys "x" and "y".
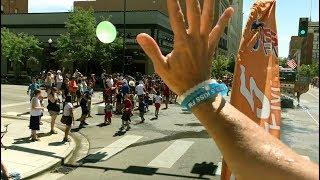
{"x": 176, "y": 18}
{"x": 218, "y": 30}
{"x": 151, "y": 48}
{"x": 207, "y": 17}
{"x": 193, "y": 15}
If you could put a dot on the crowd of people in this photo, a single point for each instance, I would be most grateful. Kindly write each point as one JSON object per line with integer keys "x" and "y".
{"x": 122, "y": 94}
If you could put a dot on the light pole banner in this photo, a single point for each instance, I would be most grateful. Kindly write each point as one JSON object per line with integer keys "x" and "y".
{"x": 256, "y": 83}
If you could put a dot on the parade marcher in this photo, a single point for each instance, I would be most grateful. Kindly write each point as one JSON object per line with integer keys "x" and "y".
{"x": 142, "y": 108}
{"x": 119, "y": 98}
{"x": 68, "y": 116}
{"x": 73, "y": 87}
{"x": 32, "y": 87}
{"x": 103, "y": 78}
{"x": 84, "y": 109}
{"x": 79, "y": 91}
{"x": 53, "y": 107}
{"x": 246, "y": 146}
{"x": 35, "y": 113}
{"x": 65, "y": 88}
{"x": 127, "y": 113}
{"x": 59, "y": 79}
{"x": 108, "y": 113}
{"x": 48, "y": 81}
{"x": 166, "y": 95}
{"x": 157, "y": 103}
{"x": 89, "y": 90}
{"x": 125, "y": 89}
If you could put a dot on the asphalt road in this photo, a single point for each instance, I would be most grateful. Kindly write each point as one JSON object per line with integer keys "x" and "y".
{"x": 174, "y": 146}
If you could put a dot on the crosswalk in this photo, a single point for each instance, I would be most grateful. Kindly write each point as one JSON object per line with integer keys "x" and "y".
{"x": 163, "y": 159}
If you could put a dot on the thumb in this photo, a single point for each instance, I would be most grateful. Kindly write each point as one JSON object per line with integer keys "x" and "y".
{"x": 151, "y": 48}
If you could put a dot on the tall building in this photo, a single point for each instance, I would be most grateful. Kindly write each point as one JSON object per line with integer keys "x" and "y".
{"x": 14, "y": 6}
{"x": 313, "y": 27}
{"x": 235, "y": 28}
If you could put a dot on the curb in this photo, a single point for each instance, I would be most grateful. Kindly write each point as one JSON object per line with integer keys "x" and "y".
{"x": 75, "y": 137}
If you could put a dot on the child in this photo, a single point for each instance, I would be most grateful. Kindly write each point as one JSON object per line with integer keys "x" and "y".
{"x": 147, "y": 101}
{"x": 157, "y": 100}
{"x": 127, "y": 112}
{"x": 142, "y": 106}
{"x": 108, "y": 113}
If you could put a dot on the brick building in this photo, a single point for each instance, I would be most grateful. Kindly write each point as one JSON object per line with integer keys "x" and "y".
{"x": 14, "y": 6}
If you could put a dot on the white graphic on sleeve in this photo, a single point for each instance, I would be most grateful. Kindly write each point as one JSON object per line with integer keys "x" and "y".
{"x": 262, "y": 113}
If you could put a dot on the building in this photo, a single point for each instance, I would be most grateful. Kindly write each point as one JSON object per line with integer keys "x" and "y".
{"x": 313, "y": 27}
{"x": 305, "y": 49}
{"x": 161, "y": 5}
{"x": 14, "y": 6}
{"x": 51, "y": 25}
{"x": 146, "y": 16}
{"x": 235, "y": 28}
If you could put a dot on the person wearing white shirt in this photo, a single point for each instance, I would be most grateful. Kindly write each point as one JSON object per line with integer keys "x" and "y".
{"x": 140, "y": 89}
{"x": 59, "y": 79}
{"x": 68, "y": 117}
{"x": 157, "y": 103}
{"x": 109, "y": 81}
{"x": 35, "y": 114}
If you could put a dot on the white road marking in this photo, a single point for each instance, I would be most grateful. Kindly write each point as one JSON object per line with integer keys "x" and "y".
{"x": 313, "y": 95}
{"x": 169, "y": 156}
{"x": 114, "y": 148}
{"x": 15, "y": 104}
{"x": 307, "y": 111}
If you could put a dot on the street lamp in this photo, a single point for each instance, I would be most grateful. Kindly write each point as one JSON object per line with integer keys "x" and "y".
{"x": 124, "y": 35}
{"x": 50, "y": 41}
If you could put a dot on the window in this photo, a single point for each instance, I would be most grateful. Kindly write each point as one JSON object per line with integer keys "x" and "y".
{"x": 16, "y": 11}
{"x": 1, "y": 9}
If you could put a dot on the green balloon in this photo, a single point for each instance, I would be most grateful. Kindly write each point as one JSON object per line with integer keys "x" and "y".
{"x": 106, "y": 32}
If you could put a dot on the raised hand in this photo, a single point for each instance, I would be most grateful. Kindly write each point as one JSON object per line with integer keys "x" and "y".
{"x": 190, "y": 61}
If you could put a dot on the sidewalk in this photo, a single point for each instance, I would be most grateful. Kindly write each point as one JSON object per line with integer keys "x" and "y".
{"x": 32, "y": 158}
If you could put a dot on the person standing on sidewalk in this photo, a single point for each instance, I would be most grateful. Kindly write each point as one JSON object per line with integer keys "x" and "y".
{"x": 53, "y": 107}
{"x": 73, "y": 88}
{"x": 32, "y": 87}
{"x": 68, "y": 116}
{"x": 35, "y": 114}
{"x": 166, "y": 94}
{"x": 157, "y": 103}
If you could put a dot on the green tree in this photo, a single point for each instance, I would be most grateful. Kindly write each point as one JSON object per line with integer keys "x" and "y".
{"x": 81, "y": 45}
{"x": 220, "y": 67}
{"x": 309, "y": 71}
{"x": 19, "y": 49}
{"x": 283, "y": 62}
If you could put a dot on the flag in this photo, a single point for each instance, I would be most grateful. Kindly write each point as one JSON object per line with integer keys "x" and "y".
{"x": 256, "y": 83}
{"x": 292, "y": 63}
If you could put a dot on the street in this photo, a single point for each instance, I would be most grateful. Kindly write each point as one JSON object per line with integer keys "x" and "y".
{"x": 174, "y": 146}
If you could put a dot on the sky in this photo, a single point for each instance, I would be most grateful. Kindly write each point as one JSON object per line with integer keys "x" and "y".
{"x": 288, "y": 13}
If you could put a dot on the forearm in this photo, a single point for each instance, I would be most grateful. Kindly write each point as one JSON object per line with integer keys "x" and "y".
{"x": 247, "y": 148}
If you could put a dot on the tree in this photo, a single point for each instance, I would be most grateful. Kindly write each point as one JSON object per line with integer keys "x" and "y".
{"x": 81, "y": 45}
{"x": 309, "y": 71}
{"x": 220, "y": 66}
{"x": 19, "y": 49}
{"x": 283, "y": 62}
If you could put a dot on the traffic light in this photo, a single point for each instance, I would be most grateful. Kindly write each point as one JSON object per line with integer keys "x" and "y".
{"x": 303, "y": 27}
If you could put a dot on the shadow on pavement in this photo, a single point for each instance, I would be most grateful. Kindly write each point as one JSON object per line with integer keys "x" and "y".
{"x": 59, "y": 143}
{"x": 181, "y": 135}
{"x": 93, "y": 158}
{"x": 119, "y": 133}
{"x": 154, "y": 118}
{"x": 40, "y": 135}
{"x": 136, "y": 170}
{"x": 204, "y": 169}
{"x": 33, "y": 151}
{"x": 24, "y": 140}
{"x": 102, "y": 125}
{"x": 189, "y": 124}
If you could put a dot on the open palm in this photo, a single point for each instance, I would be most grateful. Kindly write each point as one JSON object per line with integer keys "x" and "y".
{"x": 190, "y": 61}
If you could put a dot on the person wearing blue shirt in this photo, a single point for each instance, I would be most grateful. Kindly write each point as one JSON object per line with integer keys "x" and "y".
{"x": 125, "y": 89}
{"x": 32, "y": 87}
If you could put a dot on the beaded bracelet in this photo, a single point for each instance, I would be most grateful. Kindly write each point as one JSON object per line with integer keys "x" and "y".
{"x": 202, "y": 92}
